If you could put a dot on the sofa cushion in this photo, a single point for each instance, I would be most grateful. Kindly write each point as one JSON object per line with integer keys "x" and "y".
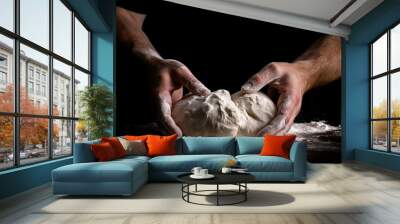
{"x": 257, "y": 163}
{"x": 277, "y": 145}
{"x": 112, "y": 171}
{"x": 207, "y": 145}
{"x": 161, "y": 145}
{"x": 185, "y": 163}
{"x": 83, "y": 152}
{"x": 116, "y": 145}
{"x": 132, "y": 159}
{"x": 249, "y": 145}
{"x": 134, "y": 147}
{"x": 103, "y": 152}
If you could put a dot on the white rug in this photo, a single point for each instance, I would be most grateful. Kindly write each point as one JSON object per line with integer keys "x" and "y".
{"x": 166, "y": 198}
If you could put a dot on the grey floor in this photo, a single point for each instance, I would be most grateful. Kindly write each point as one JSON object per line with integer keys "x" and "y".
{"x": 378, "y": 189}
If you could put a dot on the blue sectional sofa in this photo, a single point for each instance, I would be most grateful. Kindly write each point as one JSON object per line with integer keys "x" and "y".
{"x": 125, "y": 176}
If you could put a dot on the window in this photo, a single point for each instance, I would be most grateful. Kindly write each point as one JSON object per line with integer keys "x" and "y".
{"x": 7, "y": 14}
{"x": 81, "y": 81}
{"x": 38, "y": 74}
{"x": 30, "y": 87}
{"x": 62, "y": 137}
{"x": 3, "y": 73}
{"x": 44, "y": 91}
{"x": 34, "y": 21}
{"x": 3, "y": 78}
{"x": 37, "y": 89}
{"x": 6, "y": 73}
{"x": 81, "y": 45}
{"x": 3, "y": 61}
{"x": 385, "y": 91}
{"x": 6, "y": 143}
{"x": 30, "y": 72}
{"x": 62, "y": 29}
{"x": 62, "y": 75}
{"x": 41, "y": 124}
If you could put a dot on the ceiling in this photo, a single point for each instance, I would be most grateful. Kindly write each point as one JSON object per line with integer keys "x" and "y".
{"x": 326, "y": 16}
{"x": 320, "y": 9}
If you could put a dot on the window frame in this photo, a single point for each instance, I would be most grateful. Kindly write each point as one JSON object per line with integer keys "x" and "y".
{"x": 16, "y": 114}
{"x": 388, "y": 74}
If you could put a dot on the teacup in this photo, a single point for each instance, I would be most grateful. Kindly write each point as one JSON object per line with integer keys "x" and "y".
{"x": 196, "y": 171}
{"x": 203, "y": 172}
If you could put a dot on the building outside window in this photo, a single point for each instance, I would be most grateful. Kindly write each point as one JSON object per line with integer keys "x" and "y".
{"x": 3, "y": 72}
{"x": 385, "y": 91}
{"x": 30, "y": 87}
{"x": 44, "y": 77}
{"x": 37, "y": 75}
{"x": 55, "y": 96}
{"x": 3, "y": 77}
{"x": 43, "y": 90}
{"x": 3, "y": 60}
{"x": 38, "y": 89}
{"x": 30, "y": 72}
{"x": 58, "y": 125}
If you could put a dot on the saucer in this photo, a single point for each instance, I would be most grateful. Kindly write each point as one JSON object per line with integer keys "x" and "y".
{"x": 208, "y": 176}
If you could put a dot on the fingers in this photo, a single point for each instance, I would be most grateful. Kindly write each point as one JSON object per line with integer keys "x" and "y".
{"x": 277, "y": 124}
{"x": 266, "y": 75}
{"x": 288, "y": 107}
{"x": 184, "y": 76}
{"x": 166, "y": 119}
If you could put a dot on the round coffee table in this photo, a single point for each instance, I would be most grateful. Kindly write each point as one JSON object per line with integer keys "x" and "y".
{"x": 238, "y": 179}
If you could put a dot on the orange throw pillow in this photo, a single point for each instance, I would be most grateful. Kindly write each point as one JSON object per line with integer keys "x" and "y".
{"x": 103, "y": 152}
{"x": 277, "y": 145}
{"x": 161, "y": 145}
{"x": 116, "y": 145}
{"x": 134, "y": 137}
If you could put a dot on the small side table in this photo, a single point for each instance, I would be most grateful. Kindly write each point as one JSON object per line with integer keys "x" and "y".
{"x": 238, "y": 179}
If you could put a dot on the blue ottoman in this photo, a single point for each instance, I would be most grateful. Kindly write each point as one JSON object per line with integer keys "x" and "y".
{"x": 118, "y": 177}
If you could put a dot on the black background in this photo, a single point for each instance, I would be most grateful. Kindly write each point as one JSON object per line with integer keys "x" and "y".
{"x": 223, "y": 51}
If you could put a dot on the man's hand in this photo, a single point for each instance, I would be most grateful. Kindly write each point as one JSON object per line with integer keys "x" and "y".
{"x": 290, "y": 82}
{"x": 318, "y": 66}
{"x": 168, "y": 77}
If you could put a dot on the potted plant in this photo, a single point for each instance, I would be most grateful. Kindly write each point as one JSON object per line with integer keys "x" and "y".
{"x": 96, "y": 103}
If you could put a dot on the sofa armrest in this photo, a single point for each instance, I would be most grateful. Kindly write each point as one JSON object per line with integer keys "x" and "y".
{"x": 83, "y": 152}
{"x": 298, "y": 155}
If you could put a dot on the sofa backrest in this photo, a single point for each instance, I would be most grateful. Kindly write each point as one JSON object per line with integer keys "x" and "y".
{"x": 249, "y": 145}
{"x": 83, "y": 152}
{"x": 206, "y": 145}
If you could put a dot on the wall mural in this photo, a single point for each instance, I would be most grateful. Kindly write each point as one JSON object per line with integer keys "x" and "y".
{"x": 201, "y": 73}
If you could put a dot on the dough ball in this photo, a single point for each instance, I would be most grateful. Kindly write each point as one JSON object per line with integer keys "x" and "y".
{"x": 258, "y": 110}
{"x": 213, "y": 115}
{"x": 220, "y": 114}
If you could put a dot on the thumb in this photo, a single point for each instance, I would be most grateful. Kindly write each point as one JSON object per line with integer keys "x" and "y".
{"x": 265, "y": 76}
{"x": 166, "y": 119}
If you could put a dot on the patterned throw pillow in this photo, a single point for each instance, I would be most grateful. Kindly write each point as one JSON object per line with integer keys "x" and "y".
{"x": 133, "y": 147}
